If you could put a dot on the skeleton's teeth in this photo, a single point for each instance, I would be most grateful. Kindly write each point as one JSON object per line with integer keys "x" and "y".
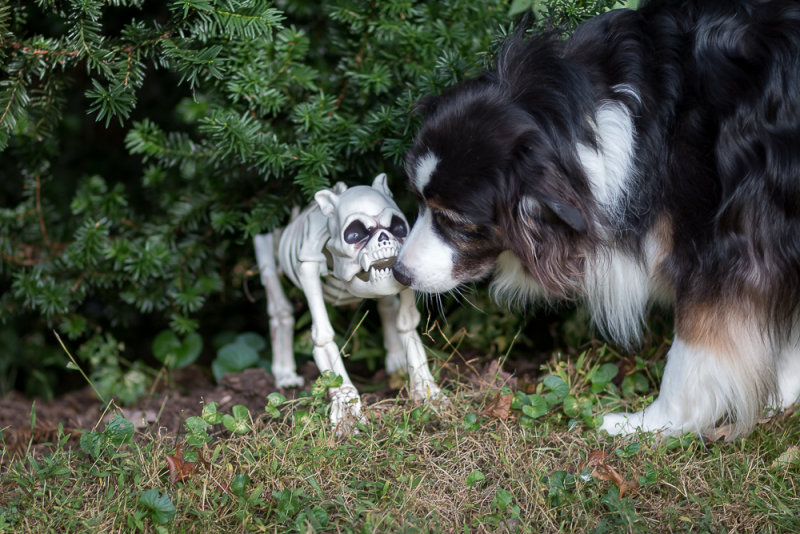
{"x": 383, "y": 264}
{"x": 379, "y": 270}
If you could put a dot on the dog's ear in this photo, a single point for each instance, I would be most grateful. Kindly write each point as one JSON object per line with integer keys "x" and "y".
{"x": 566, "y": 212}
{"x": 544, "y": 171}
{"x": 552, "y": 257}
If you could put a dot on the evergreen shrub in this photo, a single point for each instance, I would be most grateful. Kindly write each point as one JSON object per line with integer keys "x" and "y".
{"x": 143, "y": 144}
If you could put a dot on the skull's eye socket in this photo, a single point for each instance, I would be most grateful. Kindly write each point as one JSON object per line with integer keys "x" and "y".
{"x": 355, "y": 232}
{"x": 399, "y": 227}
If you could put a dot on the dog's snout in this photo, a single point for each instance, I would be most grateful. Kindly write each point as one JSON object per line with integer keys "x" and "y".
{"x": 401, "y": 274}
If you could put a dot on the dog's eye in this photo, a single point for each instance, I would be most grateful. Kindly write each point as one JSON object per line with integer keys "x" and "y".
{"x": 398, "y": 228}
{"x": 442, "y": 218}
{"x": 355, "y": 232}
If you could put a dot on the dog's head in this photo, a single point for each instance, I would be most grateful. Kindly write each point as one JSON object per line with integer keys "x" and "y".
{"x": 492, "y": 177}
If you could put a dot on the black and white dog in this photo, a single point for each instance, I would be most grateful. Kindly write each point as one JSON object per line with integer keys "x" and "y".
{"x": 653, "y": 156}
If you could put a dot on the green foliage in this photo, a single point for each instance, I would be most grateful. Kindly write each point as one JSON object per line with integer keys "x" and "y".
{"x": 577, "y": 405}
{"x": 176, "y": 353}
{"x": 118, "y": 432}
{"x": 239, "y": 354}
{"x": 144, "y": 143}
{"x": 111, "y": 376}
{"x": 157, "y": 506}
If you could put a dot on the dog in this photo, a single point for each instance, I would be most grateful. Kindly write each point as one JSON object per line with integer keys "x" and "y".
{"x": 652, "y": 157}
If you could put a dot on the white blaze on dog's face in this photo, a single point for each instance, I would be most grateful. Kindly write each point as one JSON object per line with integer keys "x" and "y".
{"x": 426, "y": 257}
{"x": 444, "y": 248}
{"x": 490, "y": 179}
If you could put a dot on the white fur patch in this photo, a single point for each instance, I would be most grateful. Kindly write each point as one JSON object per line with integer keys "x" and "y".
{"x": 512, "y": 283}
{"x": 426, "y": 258}
{"x": 788, "y": 371}
{"x": 702, "y": 388}
{"x": 617, "y": 291}
{"x": 424, "y": 170}
{"x": 610, "y": 167}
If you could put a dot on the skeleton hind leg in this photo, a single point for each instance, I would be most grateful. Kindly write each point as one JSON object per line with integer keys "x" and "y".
{"x": 279, "y": 310}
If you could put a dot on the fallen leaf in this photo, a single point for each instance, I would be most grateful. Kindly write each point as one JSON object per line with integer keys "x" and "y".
{"x": 596, "y": 457}
{"x": 500, "y": 407}
{"x": 180, "y": 470}
{"x": 603, "y": 471}
{"x": 722, "y": 432}
{"x": 787, "y": 457}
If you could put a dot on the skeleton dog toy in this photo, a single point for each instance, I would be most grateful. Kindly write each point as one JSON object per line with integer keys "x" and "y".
{"x": 340, "y": 249}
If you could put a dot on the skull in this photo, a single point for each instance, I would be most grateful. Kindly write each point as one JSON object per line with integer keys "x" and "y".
{"x": 366, "y": 231}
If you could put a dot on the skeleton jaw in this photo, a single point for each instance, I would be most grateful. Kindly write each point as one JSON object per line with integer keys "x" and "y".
{"x": 375, "y": 278}
{"x": 376, "y": 262}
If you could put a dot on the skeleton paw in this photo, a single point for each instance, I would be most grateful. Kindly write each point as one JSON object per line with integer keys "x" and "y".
{"x": 287, "y": 379}
{"x": 395, "y": 361}
{"x": 346, "y": 410}
{"x": 429, "y": 393}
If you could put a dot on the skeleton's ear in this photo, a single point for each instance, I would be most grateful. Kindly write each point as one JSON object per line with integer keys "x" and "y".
{"x": 380, "y": 184}
{"x": 327, "y": 201}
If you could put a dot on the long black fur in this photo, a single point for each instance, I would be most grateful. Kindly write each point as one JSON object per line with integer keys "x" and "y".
{"x": 717, "y": 120}
{"x": 713, "y": 88}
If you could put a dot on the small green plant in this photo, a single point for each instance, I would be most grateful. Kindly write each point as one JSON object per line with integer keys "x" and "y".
{"x": 241, "y": 353}
{"x": 176, "y": 353}
{"x": 117, "y": 432}
{"x": 239, "y": 421}
{"x": 157, "y": 506}
{"x": 581, "y": 405}
{"x": 111, "y": 375}
{"x": 274, "y": 401}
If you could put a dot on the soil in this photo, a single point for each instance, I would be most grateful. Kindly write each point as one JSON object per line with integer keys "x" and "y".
{"x": 171, "y": 402}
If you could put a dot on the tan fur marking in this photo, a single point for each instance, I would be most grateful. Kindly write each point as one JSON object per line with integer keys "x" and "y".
{"x": 450, "y": 214}
{"x": 725, "y": 328}
{"x": 660, "y": 245}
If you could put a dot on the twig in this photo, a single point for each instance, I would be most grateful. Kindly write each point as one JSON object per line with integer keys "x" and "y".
{"x": 41, "y": 214}
{"x": 78, "y": 367}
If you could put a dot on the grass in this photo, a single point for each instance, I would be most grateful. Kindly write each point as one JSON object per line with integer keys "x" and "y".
{"x": 492, "y": 460}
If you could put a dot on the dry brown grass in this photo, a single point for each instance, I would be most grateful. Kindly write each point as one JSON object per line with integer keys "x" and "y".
{"x": 413, "y": 469}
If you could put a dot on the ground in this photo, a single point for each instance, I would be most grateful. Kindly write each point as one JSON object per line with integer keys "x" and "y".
{"x": 183, "y": 395}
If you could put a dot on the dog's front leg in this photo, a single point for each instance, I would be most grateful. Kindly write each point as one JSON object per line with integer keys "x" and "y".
{"x": 279, "y": 311}
{"x": 422, "y": 384}
{"x": 720, "y": 369}
{"x": 345, "y": 401}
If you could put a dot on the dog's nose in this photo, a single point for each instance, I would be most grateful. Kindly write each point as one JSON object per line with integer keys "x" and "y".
{"x": 401, "y": 274}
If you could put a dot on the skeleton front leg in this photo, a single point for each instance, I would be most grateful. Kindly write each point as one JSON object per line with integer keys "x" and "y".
{"x": 400, "y": 322}
{"x": 279, "y": 310}
{"x": 395, "y": 352}
{"x": 345, "y": 401}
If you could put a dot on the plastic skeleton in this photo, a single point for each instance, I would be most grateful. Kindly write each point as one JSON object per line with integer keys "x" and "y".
{"x": 340, "y": 249}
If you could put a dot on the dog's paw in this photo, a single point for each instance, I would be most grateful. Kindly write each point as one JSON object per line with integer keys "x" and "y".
{"x": 622, "y": 424}
{"x": 651, "y": 419}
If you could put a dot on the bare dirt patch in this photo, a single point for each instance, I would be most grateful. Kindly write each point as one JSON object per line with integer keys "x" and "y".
{"x": 171, "y": 401}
